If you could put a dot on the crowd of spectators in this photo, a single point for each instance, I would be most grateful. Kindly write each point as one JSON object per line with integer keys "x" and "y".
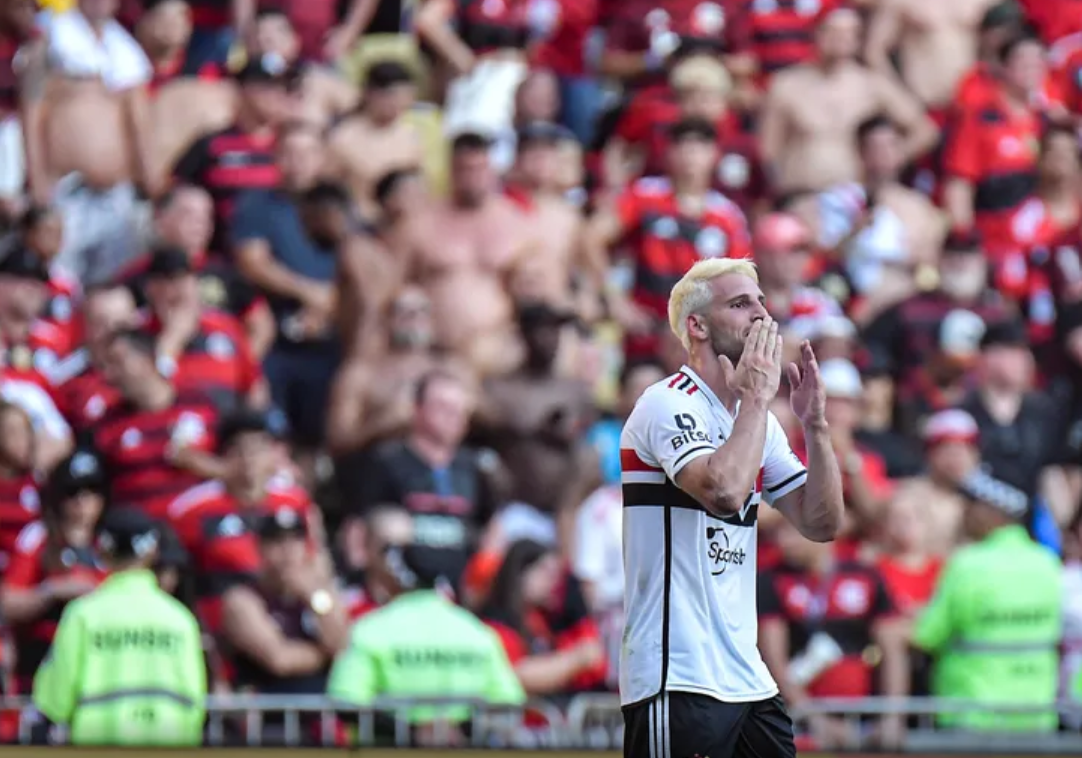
{"x": 393, "y": 272}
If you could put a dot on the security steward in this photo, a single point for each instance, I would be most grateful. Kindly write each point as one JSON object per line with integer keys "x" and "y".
{"x": 994, "y": 624}
{"x": 126, "y": 666}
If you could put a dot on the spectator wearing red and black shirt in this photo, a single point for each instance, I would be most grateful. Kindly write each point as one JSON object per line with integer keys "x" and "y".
{"x": 777, "y": 34}
{"x": 34, "y": 345}
{"x": 700, "y": 88}
{"x": 537, "y": 608}
{"x": 991, "y": 153}
{"x": 41, "y": 230}
{"x": 824, "y": 624}
{"x": 671, "y": 224}
{"x": 53, "y": 561}
{"x": 213, "y": 520}
{"x": 241, "y": 157}
{"x": 19, "y": 499}
{"x": 164, "y": 29}
{"x": 157, "y": 442}
{"x": 200, "y": 349}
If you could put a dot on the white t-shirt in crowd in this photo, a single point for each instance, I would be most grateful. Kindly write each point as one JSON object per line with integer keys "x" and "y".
{"x": 77, "y": 52}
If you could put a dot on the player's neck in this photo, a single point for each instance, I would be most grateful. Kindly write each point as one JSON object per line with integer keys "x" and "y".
{"x": 709, "y": 370}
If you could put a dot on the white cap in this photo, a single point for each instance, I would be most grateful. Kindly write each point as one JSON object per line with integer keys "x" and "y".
{"x": 952, "y": 425}
{"x": 960, "y": 333}
{"x": 841, "y": 379}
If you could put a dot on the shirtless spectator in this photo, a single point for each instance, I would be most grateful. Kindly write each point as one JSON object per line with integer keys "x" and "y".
{"x": 98, "y": 138}
{"x": 991, "y": 153}
{"x": 463, "y": 252}
{"x": 401, "y": 197}
{"x": 372, "y": 399}
{"x": 558, "y": 273}
{"x": 536, "y": 419}
{"x": 241, "y": 156}
{"x": 376, "y": 138}
{"x": 934, "y": 45}
{"x": 670, "y": 223}
{"x": 21, "y": 86}
{"x": 324, "y": 93}
{"x": 184, "y": 218}
{"x": 880, "y": 231}
{"x": 275, "y": 252}
{"x": 812, "y": 111}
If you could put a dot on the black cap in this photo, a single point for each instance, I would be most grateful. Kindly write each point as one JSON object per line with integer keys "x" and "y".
{"x": 168, "y": 261}
{"x": 963, "y": 241}
{"x": 24, "y": 263}
{"x": 127, "y": 533}
{"x": 284, "y": 522}
{"x": 81, "y": 471}
{"x": 697, "y": 128}
{"x": 1007, "y": 13}
{"x": 171, "y": 553}
{"x": 419, "y": 567}
{"x": 387, "y": 74}
{"x": 251, "y": 420}
{"x": 544, "y": 133}
{"x": 1009, "y": 333}
{"x": 985, "y": 488}
{"x": 268, "y": 69}
{"x": 542, "y": 314}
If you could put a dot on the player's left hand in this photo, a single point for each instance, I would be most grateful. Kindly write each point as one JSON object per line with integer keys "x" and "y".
{"x": 807, "y": 395}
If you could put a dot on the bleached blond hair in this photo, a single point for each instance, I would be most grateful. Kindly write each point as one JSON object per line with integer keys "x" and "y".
{"x": 692, "y": 293}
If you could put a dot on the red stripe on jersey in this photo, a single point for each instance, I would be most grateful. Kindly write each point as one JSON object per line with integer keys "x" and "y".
{"x": 694, "y": 389}
{"x": 630, "y": 461}
{"x": 676, "y": 379}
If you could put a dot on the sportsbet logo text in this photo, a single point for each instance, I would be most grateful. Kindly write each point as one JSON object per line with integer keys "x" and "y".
{"x": 719, "y": 552}
{"x": 689, "y": 431}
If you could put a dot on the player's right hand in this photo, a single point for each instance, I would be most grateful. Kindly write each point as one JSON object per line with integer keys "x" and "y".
{"x": 758, "y": 375}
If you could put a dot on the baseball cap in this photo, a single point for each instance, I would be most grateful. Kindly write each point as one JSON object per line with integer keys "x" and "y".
{"x": 269, "y": 68}
{"x": 81, "y": 471}
{"x": 841, "y": 379}
{"x": 1010, "y": 333}
{"x": 543, "y": 133}
{"x": 953, "y": 425}
{"x": 168, "y": 261}
{"x": 171, "y": 554}
{"x": 542, "y": 314}
{"x": 418, "y": 567}
{"x": 982, "y": 487}
{"x": 23, "y": 263}
{"x": 127, "y": 533}
{"x": 284, "y": 522}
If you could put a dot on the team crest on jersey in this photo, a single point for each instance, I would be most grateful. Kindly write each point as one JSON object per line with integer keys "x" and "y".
{"x": 665, "y": 228}
{"x": 212, "y": 291}
{"x": 60, "y": 308}
{"x": 94, "y": 407}
{"x": 29, "y": 500}
{"x": 44, "y": 360}
{"x": 708, "y": 18}
{"x": 808, "y": 7}
{"x": 711, "y": 242}
{"x": 220, "y": 346}
{"x": 734, "y": 171}
{"x": 853, "y": 597}
{"x": 131, "y": 438}
{"x": 658, "y": 18}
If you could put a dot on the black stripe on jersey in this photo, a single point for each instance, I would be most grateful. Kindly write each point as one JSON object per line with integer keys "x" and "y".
{"x": 685, "y": 384}
{"x": 686, "y": 453}
{"x": 666, "y": 599}
{"x": 787, "y": 482}
{"x": 669, "y": 495}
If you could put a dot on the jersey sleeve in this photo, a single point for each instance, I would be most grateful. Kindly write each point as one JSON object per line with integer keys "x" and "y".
{"x": 783, "y": 471}
{"x": 354, "y": 673}
{"x": 668, "y": 430}
{"x": 59, "y": 678}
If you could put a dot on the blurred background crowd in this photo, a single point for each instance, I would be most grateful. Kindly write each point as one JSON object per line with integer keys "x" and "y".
{"x": 310, "y": 280}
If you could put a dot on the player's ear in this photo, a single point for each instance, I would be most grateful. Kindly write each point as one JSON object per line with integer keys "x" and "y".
{"x": 696, "y": 326}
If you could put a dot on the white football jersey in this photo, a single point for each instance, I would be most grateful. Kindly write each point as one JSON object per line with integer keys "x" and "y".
{"x": 689, "y": 576}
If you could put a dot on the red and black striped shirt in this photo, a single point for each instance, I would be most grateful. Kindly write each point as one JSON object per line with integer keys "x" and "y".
{"x": 19, "y": 505}
{"x": 225, "y": 163}
{"x": 778, "y": 33}
{"x": 136, "y": 447}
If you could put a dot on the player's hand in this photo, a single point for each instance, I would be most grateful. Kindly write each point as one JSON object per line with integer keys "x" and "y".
{"x": 758, "y": 374}
{"x": 807, "y": 395}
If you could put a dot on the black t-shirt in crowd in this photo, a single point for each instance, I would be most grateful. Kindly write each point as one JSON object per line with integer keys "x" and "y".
{"x": 1016, "y": 453}
{"x": 449, "y": 506}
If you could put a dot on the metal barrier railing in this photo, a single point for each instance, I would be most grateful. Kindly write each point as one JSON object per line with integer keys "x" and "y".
{"x": 588, "y": 721}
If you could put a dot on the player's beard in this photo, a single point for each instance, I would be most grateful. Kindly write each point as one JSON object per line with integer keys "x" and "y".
{"x": 725, "y": 344}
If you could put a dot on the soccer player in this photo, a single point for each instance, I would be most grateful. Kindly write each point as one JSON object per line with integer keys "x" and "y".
{"x": 698, "y": 453}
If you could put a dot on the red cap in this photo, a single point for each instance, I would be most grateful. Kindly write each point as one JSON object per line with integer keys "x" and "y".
{"x": 951, "y": 426}
{"x": 780, "y": 232}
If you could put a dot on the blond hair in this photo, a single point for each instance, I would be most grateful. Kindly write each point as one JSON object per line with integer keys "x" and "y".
{"x": 701, "y": 73}
{"x": 692, "y": 293}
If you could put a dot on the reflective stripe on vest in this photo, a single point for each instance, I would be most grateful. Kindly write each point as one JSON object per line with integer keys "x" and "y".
{"x": 1005, "y": 648}
{"x": 144, "y": 692}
